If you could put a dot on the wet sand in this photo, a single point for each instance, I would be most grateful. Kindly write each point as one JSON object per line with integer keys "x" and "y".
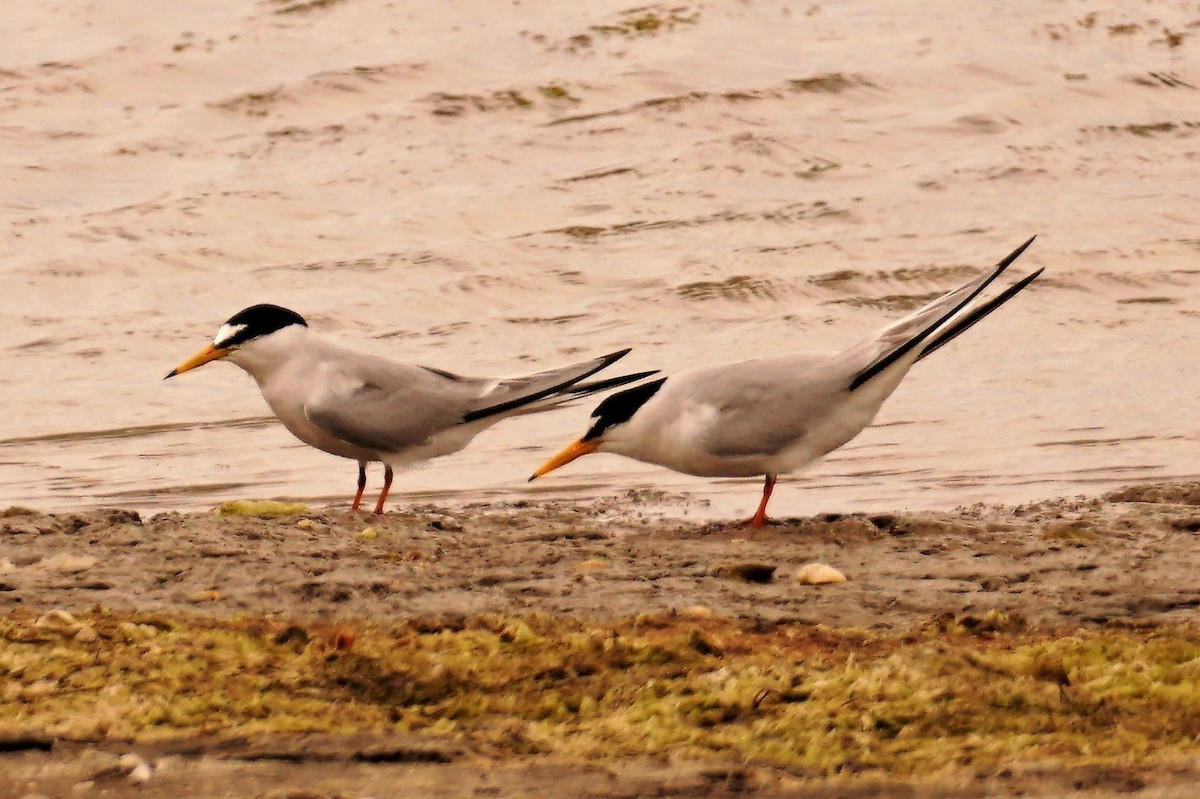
{"x": 1125, "y": 560}
{"x": 1063, "y": 562}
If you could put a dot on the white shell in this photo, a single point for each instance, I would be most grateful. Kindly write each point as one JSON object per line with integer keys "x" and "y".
{"x": 141, "y": 773}
{"x": 67, "y": 563}
{"x": 129, "y": 761}
{"x": 819, "y": 574}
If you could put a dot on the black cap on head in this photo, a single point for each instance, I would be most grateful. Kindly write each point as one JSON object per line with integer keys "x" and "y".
{"x": 620, "y": 407}
{"x": 255, "y": 321}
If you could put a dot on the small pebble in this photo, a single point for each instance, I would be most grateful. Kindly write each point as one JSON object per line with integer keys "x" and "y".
{"x": 141, "y": 773}
{"x": 819, "y": 574}
{"x": 367, "y": 534}
{"x": 261, "y": 507}
{"x": 57, "y": 619}
{"x": 696, "y": 612}
{"x": 132, "y": 631}
{"x": 129, "y": 761}
{"x": 86, "y": 634}
{"x": 591, "y": 565}
{"x": 40, "y": 689}
{"x": 748, "y": 572}
{"x": 69, "y": 564}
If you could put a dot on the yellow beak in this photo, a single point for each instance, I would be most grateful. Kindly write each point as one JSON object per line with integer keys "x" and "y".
{"x": 576, "y": 450}
{"x": 209, "y": 353}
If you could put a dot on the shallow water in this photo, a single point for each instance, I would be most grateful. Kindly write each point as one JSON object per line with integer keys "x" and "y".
{"x": 493, "y": 190}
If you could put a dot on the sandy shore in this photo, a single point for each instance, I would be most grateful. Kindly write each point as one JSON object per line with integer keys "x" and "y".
{"x": 1128, "y": 556}
{"x": 1124, "y": 561}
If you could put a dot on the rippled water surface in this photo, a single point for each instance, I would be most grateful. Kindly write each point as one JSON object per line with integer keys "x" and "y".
{"x": 497, "y": 188}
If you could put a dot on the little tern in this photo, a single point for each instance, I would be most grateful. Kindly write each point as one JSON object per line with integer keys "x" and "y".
{"x": 771, "y": 416}
{"x": 368, "y": 408}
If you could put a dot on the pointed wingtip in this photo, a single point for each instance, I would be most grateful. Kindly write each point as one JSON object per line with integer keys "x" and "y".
{"x": 965, "y": 323}
{"x": 1012, "y": 290}
{"x": 1015, "y": 254}
{"x": 974, "y": 287}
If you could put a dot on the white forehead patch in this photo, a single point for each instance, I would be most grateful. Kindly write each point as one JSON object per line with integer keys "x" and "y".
{"x": 226, "y": 333}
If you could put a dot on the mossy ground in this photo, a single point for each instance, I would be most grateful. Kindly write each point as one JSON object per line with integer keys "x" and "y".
{"x": 972, "y": 693}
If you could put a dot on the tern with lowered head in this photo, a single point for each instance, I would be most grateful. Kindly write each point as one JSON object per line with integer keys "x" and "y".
{"x": 771, "y": 416}
{"x": 368, "y": 408}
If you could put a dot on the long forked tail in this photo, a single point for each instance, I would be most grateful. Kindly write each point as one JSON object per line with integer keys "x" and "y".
{"x": 968, "y": 320}
{"x": 557, "y": 385}
{"x": 945, "y": 308}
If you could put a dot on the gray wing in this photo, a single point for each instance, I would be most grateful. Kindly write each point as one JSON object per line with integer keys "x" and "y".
{"x": 761, "y": 407}
{"x": 386, "y": 406}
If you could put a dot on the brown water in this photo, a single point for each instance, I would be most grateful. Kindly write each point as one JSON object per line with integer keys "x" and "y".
{"x": 494, "y": 188}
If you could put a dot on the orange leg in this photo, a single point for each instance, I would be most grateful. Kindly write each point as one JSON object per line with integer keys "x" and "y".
{"x": 760, "y": 516}
{"x": 362, "y": 484}
{"x": 387, "y": 484}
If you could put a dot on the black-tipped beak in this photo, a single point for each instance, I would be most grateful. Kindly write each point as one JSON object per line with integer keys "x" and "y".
{"x": 209, "y": 353}
{"x": 577, "y": 450}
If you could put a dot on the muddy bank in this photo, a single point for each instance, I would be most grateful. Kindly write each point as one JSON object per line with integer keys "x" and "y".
{"x": 342, "y": 769}
{"x": 324, "y": 653}
{"x": 1131, "y": 555}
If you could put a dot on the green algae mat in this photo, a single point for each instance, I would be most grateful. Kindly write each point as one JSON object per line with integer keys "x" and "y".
{"x": 964, "y": 692}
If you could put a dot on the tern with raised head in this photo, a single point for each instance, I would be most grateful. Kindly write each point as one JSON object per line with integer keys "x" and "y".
{"x": 772, "y": 416}
{"x": 368, "y": 408}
